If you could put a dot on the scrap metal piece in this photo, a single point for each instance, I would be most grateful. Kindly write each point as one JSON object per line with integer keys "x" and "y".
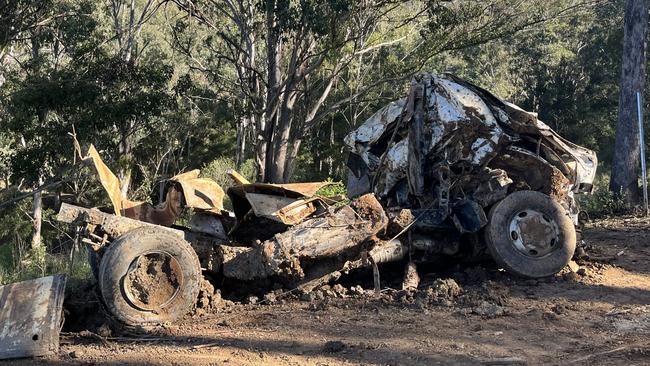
{"x": 288, "y": 204}
{"x": 289, "y": 211}
{"x": 296, "y": 212}
{"x": 200, "y": 193}
{"x": 31, "y": 317}
{"x": 468, "y": 216}
{"x": 107, "y": 178}
{"x": 237, "y": 178}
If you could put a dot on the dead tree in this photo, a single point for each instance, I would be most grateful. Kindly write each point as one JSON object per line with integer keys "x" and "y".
{"x": 625, "y": 166}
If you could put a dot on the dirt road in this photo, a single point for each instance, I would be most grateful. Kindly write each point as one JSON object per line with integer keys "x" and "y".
{"x": 598, "y": 316}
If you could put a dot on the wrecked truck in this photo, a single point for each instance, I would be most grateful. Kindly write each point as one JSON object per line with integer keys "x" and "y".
{"x": 449, "y": 171}
{"x": 460, "y": 169}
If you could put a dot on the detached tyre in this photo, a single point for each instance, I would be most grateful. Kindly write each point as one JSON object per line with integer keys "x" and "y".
{"x": 149, "y": 276}
{"x": 529, "y": 234}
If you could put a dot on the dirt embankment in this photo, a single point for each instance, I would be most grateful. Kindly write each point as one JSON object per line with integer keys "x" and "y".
{"x": 597, "y": 314}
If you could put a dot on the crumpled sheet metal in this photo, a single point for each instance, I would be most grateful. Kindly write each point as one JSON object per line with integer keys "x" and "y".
{"x": 289, "y": 211}
{"x": 466, "y": 127}
{"x": 286, "y": 203}
{"x": 199, "y": 193}
{"x": 31, "y": 317}
{"x": 294, "y": 190}
{"x": 107, "y": 178}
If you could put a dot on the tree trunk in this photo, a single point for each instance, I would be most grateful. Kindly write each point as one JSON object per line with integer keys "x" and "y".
{"x": 273, "y": 97}
{"x": 242, "y": 127}
{"x": 125, "y": 159}
{"x": 290, "y": 163}
{"x": 281, "y": 140}
{"x": 625, "y": 166}
{"x": 37, "y": 214}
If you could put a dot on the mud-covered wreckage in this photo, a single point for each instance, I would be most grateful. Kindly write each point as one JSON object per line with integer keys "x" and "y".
{"x": 449, "y": 170}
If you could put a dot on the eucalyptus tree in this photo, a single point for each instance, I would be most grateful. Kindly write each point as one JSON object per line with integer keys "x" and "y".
{"x": 284, "y": 59}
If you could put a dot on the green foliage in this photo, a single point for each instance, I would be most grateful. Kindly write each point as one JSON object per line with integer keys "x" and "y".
{"x": 216, "y": 170}
{"x": 603, "y": 203}
{"x": 105, "y": 101}
{"x": 26, "y": 268}
{"x": 334, "y": 189}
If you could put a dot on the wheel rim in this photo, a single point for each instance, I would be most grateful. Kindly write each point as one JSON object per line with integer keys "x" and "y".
{"x": 534, "y": 233}
{"x": 152, "y": 281}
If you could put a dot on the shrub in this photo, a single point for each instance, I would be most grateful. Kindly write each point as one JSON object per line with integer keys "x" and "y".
{"x": 603, "y": 202}
{"x": 217, "y": 168}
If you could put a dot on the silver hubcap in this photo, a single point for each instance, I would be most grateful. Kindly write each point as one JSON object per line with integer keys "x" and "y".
{"x": 534, "y": 233}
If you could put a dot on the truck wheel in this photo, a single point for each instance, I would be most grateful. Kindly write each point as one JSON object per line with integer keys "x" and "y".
{"x": 529, "y": 234}
{"x": 148, "y": 276}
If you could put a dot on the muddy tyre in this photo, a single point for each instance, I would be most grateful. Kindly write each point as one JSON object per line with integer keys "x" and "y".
{"x": 148, "y": 276}
{"x": 529, "y": 234}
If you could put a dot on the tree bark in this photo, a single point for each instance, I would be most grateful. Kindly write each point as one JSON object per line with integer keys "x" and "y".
{"x": 625, "y": 166}
{"x": 37, "y": 215}
{"x": 273, "y": 97}
{"x": 125, "y": 159}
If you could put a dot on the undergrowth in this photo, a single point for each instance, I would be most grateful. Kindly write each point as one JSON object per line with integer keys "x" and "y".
{"x": 603, "y": 202}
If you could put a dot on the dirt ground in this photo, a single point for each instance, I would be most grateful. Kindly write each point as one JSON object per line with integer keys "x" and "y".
{"x": 475, "y": 315}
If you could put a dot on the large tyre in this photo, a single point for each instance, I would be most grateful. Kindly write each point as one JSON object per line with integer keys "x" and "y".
{"x": 149, "y": 276}
{"x": 529, "y": 234}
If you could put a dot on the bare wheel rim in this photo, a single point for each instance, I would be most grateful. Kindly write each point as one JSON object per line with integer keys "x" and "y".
{"x": 534, "y": 233}
{"x": 152, "y": 281}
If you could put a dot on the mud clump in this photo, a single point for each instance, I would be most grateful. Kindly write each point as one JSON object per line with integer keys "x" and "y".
{"x": 154, "y": 281}
{"x": 488, "y": 309}
{"x": 368, "y": 207}
{"x": 440, "y": 292}
{"x": 334, "y": 346}
{"x": 209, "y": 299}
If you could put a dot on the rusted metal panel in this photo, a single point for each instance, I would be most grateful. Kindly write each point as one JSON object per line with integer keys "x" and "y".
{"x": 30, "y": 317}
{"x": 164, "y": 214}
{"x": 266, "y": 205}
{"x": 296, "y": 212}
{"x": 289, "y": 211}
{"x": 107, "y": 178}
{"x": 295, "y": 190}
{"x": 284, "y": 203}
{"x": 200, "y": 193}
{"x": 236, "y": 177}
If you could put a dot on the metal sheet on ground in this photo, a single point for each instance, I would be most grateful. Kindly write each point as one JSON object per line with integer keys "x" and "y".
{"x": 30, "y": 317}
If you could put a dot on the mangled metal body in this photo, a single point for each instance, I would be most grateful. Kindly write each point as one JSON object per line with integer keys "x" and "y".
{"x": 284, "y": 231}
{"x": 451, "y": 149}
{"x": 431, "y": 165}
